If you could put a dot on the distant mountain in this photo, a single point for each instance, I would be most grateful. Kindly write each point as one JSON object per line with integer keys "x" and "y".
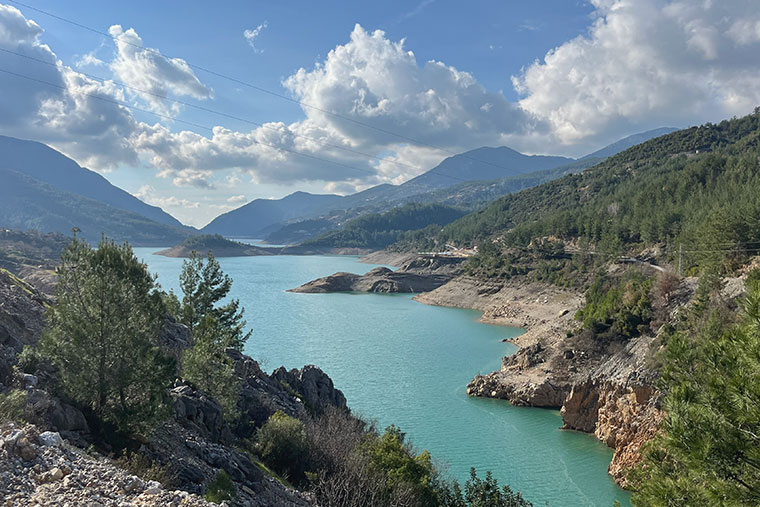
{"x": 45, "y": 164}
{"x": 261, "y": 216}
{"x": 28, "y": 203}
{"x": 483, "y": 164}
{"x": 467, "y": 180}
{"x": 627, "y": 142}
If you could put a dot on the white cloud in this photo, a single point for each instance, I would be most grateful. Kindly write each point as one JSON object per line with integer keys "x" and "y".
{"x": 89, "y": 60}
{"x": 148, "y": 194}
{"x": 648, "y": 63}
{"x": 236, "y": 199}
{"x": 60, "y": 107}
{"x": 252, "y": 34}
{"x": 155, "y": 75}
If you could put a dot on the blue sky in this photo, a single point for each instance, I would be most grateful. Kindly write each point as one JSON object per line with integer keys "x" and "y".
{"x": 559, "y": 77}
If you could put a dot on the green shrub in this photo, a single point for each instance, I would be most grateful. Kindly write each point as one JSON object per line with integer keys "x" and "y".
{"x": 617, "y": 306}
{"x": 221, "y": 488}
{"x": 283, "y": 446}
{"x": 12, "y": 406}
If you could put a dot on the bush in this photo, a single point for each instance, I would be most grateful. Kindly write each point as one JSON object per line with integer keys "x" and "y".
{"x": 619, "y": 307}
{"x": 221, "y": 488}
{"x": 283, "y": 446}
{"x": 142, "y": 466}
{"x": 12, "y": 406}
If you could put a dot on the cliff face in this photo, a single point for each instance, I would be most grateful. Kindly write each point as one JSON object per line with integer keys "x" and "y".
{"x": 601, "y": 387}
{"x": 624, "y": 416}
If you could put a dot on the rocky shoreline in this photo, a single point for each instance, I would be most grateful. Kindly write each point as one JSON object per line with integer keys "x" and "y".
{"x": 604, "y": 390}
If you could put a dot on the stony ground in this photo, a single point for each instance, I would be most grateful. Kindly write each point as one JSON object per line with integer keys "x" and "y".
{"x": 40, "y": 469}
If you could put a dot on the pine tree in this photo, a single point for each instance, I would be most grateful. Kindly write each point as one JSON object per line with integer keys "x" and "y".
{"x": 103, "y": 336}
{"x": 204, "y": 285}
{"x": 215, "y": 327}
{"x": 708, "y": 452}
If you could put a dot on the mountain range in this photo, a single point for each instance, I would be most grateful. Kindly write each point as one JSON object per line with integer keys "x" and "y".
{"x": 467, "y": 180}
{"x": 45, "y": 190}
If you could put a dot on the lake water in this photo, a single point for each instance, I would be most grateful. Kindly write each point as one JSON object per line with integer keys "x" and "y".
{"x": 401, "y": 362}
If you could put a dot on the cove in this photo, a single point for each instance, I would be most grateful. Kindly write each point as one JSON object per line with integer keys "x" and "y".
{"x": 401, "y": 362}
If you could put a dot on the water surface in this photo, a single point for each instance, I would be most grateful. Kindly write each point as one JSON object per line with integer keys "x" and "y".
{"x": 401, "y": 362}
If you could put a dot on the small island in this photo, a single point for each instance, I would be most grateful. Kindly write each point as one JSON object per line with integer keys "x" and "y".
{"x": 223, "y": 247}
{"x": 219, "y": 245}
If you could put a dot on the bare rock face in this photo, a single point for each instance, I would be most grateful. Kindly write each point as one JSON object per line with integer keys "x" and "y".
{"x": 313, "y": 386}
{"x": 545, "y": 391}
{"x": 380, "y": 279}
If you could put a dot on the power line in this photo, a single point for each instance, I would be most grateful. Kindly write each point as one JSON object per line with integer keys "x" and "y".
{"x": 252, "y": 86}
{"x": 227, "y": 115}
{"x": 193, "y": 124}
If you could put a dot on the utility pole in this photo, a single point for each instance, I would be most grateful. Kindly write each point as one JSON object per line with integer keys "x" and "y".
{"x": 680, "y": 256}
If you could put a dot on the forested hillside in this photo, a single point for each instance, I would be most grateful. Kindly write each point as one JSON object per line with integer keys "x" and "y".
{"x": 698, "y": 188}
{"x": 30, "y": 204}
{"x": 379, "y": 230}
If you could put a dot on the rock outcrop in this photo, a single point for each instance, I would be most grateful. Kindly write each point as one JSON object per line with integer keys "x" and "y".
{"x": 622, "y": 415}
{"x": 420, "y": 274}
{"x": 195, "y": 445}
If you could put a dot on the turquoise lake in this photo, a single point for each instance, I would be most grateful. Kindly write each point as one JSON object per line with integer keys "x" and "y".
{"x": 401, "y": 362}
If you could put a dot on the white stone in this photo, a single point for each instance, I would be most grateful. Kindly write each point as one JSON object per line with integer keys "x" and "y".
{"x": 50, "y": 439}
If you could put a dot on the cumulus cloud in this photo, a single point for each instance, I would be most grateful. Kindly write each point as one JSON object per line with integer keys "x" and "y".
{"x": 89, "y": 60}
{"x": 642, "y": 64}
{"x": 375, "y": 80}
{"x": 157, "y": 76}
{"x": 648, "y": 63}
{"x": 60, "y": 106}
{"x": 252, "y": 34}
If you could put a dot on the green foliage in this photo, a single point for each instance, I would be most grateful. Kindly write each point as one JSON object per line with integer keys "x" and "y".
{"x": 397, "y": 461}
{"x": 708, "y": 450}
{"x": 204, "y": 286}
{"x": 378, "y": 230}
{"x": 206, "y": 365}
{"x": 283, "y": 446}
{"x": 221, "y": 488}
{"x": 617, "y": 306}
{"x": 13, "y": 406}
{"x": 486, "y": 493}
{"x": 214, "y": 326}
{"x": 103, "y": 336}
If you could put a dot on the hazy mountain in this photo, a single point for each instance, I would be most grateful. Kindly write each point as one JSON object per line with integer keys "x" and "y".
{"x": 261, "y": 216}
{"x": 43, "y": 163}
{"x": 483, "y": 164}
{"x": 28, "y": 203}
{"x": 627, "y": 142}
